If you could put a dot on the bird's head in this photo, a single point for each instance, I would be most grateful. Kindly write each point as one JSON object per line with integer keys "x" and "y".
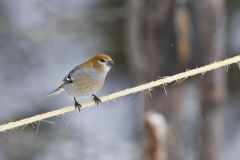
{"x": 99, "y": 63}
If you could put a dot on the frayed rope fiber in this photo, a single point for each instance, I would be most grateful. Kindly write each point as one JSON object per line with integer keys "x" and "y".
{"x": 147, "y": 86}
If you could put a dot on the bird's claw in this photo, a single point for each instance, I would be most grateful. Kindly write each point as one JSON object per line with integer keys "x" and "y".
{"x": 77, "y": 105}
{"x": 96, "y": 99}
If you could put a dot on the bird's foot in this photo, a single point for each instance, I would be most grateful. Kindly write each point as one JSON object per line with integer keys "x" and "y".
{"x": 77, "y": 105}
{"x": 96, "y": 99}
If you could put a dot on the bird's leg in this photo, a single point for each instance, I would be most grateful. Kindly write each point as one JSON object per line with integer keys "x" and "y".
{"x": 96, "y": 99}
{"x": 77, "y": 105}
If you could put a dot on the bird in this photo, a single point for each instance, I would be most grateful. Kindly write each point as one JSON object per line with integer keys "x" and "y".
{"x": 86, "y": 79}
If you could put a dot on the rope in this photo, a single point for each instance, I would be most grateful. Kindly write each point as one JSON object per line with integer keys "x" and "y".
{"x": 147, "y": 86}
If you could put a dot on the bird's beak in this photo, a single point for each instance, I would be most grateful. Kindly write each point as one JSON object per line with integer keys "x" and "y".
{"x": 110, "y": 63}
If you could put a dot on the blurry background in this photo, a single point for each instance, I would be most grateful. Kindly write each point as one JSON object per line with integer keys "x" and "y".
{"x": 42, "y": 40}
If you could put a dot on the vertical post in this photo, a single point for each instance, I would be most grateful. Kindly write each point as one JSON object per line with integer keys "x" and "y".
{"x": 210, "y": 26}
{"x": 151, "y": 50}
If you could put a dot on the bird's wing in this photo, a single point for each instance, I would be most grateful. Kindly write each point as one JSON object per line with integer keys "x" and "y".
{"x": 70, "y": 76}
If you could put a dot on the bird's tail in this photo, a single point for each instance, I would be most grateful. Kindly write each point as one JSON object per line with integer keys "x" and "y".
{"x": 56, "y": 91}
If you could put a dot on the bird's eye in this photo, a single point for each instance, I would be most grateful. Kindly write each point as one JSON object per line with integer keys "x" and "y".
{"x": 101, "y": 60}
